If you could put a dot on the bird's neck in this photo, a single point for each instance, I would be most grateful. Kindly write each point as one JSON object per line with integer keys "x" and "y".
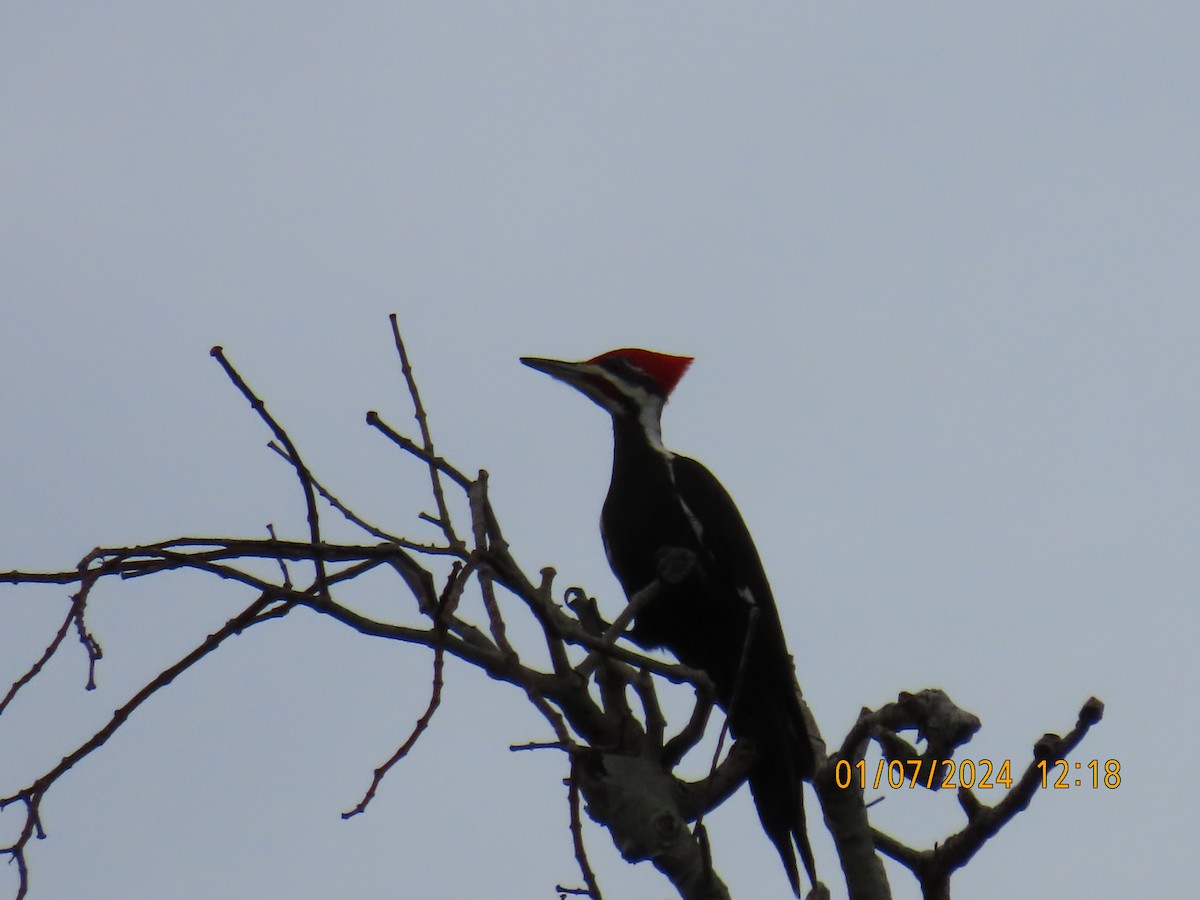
{"x": 641, "y": 465}
{"x": 638, "y": 431}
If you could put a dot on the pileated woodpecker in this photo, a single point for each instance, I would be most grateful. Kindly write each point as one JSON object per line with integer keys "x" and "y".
{"x": 659, "y": 501}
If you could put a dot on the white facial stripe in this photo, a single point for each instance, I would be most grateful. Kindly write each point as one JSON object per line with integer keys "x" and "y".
{"x": 598, "y": 396}
{"x": 649, "y": 406}
{"x": 649, "y": 416}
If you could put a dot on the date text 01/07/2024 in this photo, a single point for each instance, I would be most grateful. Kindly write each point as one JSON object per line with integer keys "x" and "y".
{"x": 982, "y": 774}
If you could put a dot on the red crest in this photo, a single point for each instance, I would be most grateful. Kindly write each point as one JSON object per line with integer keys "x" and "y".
{"x": 662, "y": 367}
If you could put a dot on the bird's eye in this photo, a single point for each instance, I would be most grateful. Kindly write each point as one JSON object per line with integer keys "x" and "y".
{"x": 630, "y": 373}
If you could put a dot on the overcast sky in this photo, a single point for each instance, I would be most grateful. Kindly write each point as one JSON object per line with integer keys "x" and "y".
{"x": 938, "y": 267}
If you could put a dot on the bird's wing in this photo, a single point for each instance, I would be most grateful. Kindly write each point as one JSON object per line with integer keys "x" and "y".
{"x": 767, "y": 705}
{"x": 726, "y": 539}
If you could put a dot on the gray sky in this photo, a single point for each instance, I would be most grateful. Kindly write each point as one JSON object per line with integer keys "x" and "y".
{"x": 938, "y": 269}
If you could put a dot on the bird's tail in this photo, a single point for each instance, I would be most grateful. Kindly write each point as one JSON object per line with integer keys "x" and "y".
{"x": 778, "y": 790}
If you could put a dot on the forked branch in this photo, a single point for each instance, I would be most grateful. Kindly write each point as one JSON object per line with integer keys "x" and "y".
{"x": 598, "y": 696}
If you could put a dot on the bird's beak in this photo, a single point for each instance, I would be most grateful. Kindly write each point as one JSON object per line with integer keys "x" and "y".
{"x": 572, "y": 373}
{"x": 586, "y": 377}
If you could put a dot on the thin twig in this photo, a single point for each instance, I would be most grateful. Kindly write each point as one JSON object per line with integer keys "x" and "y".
{"x": 656, "y": 722}
{"x": 446, "y": 604}
{"x": 348, "y": 513}
{"x": 585, "y": 868}
{"x": 435, "y": 478}
{"x": 51, "y": 649}
{"x": 293, "y": 457}
{"x": 477, "y": 501}
{"x": 751, "y": 624}
{"x": 408, "y": 446}
{"x": 283, "y": 569}
{"x": 32, "y": 795}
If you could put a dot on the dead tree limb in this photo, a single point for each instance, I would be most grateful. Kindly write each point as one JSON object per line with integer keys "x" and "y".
{"x": 598, "y": 696}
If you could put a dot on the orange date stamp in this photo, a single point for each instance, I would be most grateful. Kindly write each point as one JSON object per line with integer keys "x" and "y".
{"x": 982, "y": 774}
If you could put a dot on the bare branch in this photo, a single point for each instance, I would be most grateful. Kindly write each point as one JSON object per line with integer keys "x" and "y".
{"x": 934, "y": 867}
{"x": 602, "y": 647}
{"x": 693, "y": 731}
{"x": 637, "y": 800}
{"x": 32, "y": 795}
{"x": 700, "y": 797}
{"x": 405, "y": 444}
{"x": 477, "y": 500}
{"x": 621, "y": 760}
{"x": 932, "y": 714}
{"x": 73, "y": 614}
{"x": 446, "y": 603}
{"x": 283, "y": 569}
{"x": 585, "y": 868}
{"x": 355, "y": 519}
{"x": 435, "y": 479}
{"x": 293, "y": 456}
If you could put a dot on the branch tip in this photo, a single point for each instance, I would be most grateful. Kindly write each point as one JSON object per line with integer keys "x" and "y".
{"x": 1091, "y": 713}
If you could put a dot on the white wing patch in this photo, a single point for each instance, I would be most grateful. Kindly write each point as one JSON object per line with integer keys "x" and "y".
{"x": 747, "y": 595}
